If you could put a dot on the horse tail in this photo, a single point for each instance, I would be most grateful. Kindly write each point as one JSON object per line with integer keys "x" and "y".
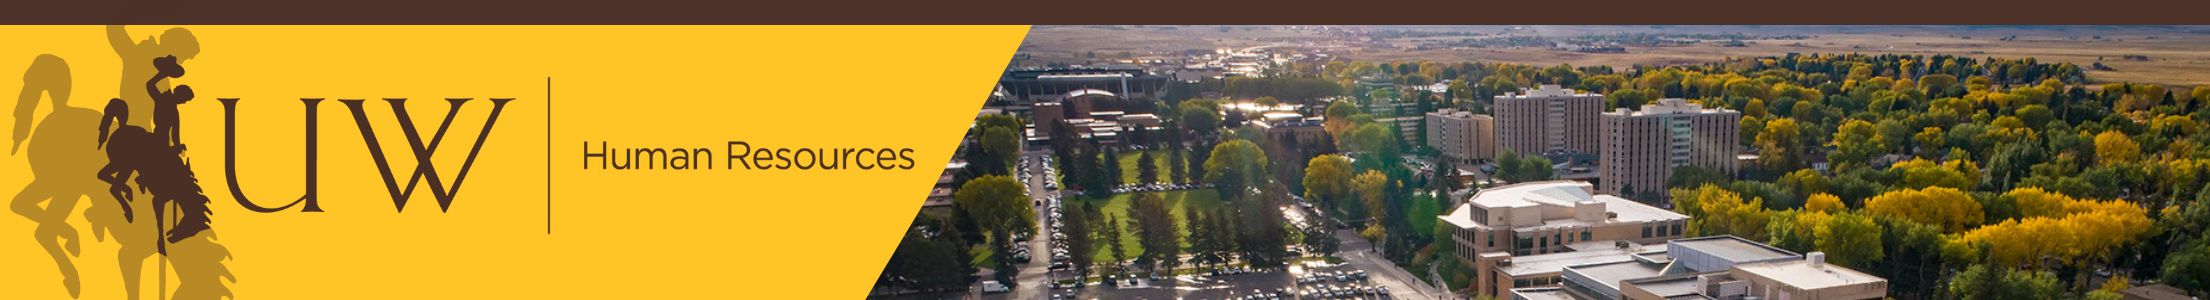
{"x": 117, "y": 112}
{"x": 48, "y": 74}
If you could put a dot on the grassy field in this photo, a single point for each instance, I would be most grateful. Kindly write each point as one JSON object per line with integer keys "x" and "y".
{"x": 1117, "y": 206}
{"x": 1129, "y": 171}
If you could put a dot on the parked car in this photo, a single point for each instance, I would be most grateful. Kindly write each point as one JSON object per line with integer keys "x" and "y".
{"x": 993, "y": 287}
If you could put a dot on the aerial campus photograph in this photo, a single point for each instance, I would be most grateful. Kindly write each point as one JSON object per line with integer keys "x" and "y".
{"x": 1578, "y": 162}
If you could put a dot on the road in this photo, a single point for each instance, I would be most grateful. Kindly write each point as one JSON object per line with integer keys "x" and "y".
{"x": 1359, "y": 254}
{"x": 1035, "y": 277}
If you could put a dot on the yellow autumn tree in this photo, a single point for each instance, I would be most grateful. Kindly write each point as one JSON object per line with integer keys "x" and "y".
{"x": 1713, "y": 211}
{"x": 1824, "y": 202}
{"x": 2114, "y": 145}
{"x": 2083, "y": 231}
{"x": 1921, "y": 173}
{"x": 2035, "y": 202}
{"x": 1948, "y": 208}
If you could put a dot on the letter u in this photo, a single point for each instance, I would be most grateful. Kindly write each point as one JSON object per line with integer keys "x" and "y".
{"x": 230, "y": 158}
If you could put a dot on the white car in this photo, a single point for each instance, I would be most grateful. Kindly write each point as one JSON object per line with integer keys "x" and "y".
{"x": 993, "y": 287}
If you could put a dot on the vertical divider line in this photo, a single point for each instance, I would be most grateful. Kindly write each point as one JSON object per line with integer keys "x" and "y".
{"x": 548, "y": 155}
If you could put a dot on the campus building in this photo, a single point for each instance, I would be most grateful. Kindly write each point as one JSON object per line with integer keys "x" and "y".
{"x": 1536, "y": 218}
{"x": 1045, "y": 117}
{"x": 1641, "y": 148}
{"x": 1057, "y": 84}
{"x": 1285, "y": 131}
{"x": 1548, "y": 119}
{"x": 1462, "y": 136}
{"x": 1717, "y": 267}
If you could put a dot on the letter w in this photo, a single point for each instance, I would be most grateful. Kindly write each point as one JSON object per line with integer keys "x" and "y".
{"x": 422, "y": 152}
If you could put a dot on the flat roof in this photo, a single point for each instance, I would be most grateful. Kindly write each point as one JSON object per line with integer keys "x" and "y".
{"x": 1557, "y": 192}
{"x": 1562, "y": 193}
{"x": 1610, "y": 274}
{"x": 1557, "y": 262}
{"x": 1548, "y": 90}
{"x": 1801, "y": 274}
{"x": 1542, "y": 293}
{"x": 1675, "y": 287}
{"x": 1733, "y": 248}
{"x": 1669, "y": 106}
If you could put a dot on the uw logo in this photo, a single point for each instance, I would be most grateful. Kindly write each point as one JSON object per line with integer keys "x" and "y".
{"x": 139, "y": 154}
{"x": 400, "y": 194}
{"x": 157, "y": 157}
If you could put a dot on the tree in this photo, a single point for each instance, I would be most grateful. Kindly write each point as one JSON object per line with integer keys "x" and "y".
{"x": 1777, "y": 145}
{"x": 1200, "y": 116}
{"x": 1197, "y": 157}
{"x": 1629, "y": 98}
{"x": 1000, "y": 206}
{"x": 1713, "y": 210}
{"x": 997, "y": 203}
{"x": 1175, "y": 166}
{"x": 1200, "y": 235}
{"x": 1803, "y": 182}
{"x": 1948, "y": 208}
{"x": 1921, "y": 173}
{"x": 926, "y": 261}
{"x": 1220, "y": 235}
{"x": 1857, "y": 142}
{"x": 1984, "y": 282}
{"x": 1147, "y": 169}
{"x": 1236, "y": 166}
{"x": 1000, "y": 148}
{"x": 1327, "y": 179}
{"x": 1374, "y": 143}
{"x": 2087, "y": 231}
{"x": 2116, "y": 146}
{"x": 1850, "y": 239}
{"x": 1261, "y": 232}
{"x": 1824, "y": 202}
{"x": 1111, "y": 167}
{"x": 1081, "y": 240}
{"x": 2189, "y": 267}
{"x": 1110, "y": 231}
{"x": 1507, "y": 165}
{"x": 1372, "y": 189}
{"x": 1320, "y": 240}
{"x": 1513, "y": 167}
{"x": 1929, "y": 140}
{"x": 1156, "y": 231}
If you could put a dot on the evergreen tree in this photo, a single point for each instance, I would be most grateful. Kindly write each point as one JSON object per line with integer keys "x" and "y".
{"x": 1147, "y": 170}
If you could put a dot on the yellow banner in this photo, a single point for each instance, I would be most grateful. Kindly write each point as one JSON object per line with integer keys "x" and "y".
{"x": 535, "y": 215}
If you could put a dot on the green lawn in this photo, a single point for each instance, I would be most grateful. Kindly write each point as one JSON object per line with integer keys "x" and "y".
{"x": 981, "y": 254}
{"x": 1129, "y": 171}
{"x": 1117, "y": 206}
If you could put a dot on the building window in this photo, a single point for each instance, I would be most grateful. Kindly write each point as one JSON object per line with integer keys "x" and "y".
{"x": 1586, "y": 235}
{"x": 1677, "y": 226}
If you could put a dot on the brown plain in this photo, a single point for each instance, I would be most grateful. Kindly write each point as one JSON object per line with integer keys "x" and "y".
{"x": 2176, "y": 54}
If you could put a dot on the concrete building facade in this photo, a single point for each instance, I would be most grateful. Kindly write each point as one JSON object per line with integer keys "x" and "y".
{"x": 1537, "y": 218}
{"x": 1462, "y": 136}
{"x": 1548, "y": 119}
{"x": 1641, "y": 148}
